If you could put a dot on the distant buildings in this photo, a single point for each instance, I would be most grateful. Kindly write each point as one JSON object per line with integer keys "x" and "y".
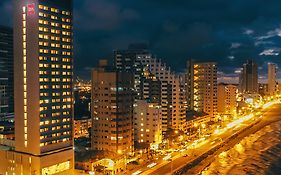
{"x": 271, "y": 80}
{"x": 43, "y": 67}
{"x": 112, "y": 109}
{"x": 248, "y": 80}
{"x": 6, "y": 74}
{"x": 82, "y": 114}
{"x": 201, "y": 87}
{"x": 82, "y": 127}
{"x": 82, "y": 103}
{"x": 227, "y": 98}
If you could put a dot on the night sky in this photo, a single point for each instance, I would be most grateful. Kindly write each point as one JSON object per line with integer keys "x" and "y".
{"x": 228, "y": 32}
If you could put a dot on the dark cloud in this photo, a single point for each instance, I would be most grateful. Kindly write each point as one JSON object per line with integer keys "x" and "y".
{"x": 6, "y": 8}
{"x": 228, "y": 32}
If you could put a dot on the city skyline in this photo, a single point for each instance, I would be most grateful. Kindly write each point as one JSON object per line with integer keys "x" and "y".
{"x": 229, "y": 32}
{"x": 110, "y": 87}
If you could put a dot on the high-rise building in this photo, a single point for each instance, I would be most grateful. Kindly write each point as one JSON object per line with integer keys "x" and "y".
{"x": 150, "y": 88}
{"x": 147, "y": 123}
{"x": 227, "y": 98}
{"x": 248, "y": 80}
{"x": 178, "y": 121}
{"x": 173, "y": 106}
{"x": 43, "y": 89}
{"x": 126, "y": 60}
{"x": 189, "y": 84}
{"x": 112, "y": 109}
{"x": 146, "y": 85}
{"x": 201, "y": 85}
{"x": 6, "y": 73}
{"x": 271, "y": 81}
{"x": 150, "y": 73}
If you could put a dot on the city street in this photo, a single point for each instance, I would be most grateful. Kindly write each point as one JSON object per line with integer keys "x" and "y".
{"x": 220, "y": 141}
{"x": 272, "y": 114}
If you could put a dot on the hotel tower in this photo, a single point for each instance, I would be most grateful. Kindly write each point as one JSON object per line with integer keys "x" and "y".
{"x": 43, "y": 89}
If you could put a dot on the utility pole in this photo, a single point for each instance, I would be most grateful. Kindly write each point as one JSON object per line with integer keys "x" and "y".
{"x": 171, "y": 166}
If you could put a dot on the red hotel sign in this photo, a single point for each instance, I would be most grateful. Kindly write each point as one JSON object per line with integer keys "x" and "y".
{"x": 31, "y": 9}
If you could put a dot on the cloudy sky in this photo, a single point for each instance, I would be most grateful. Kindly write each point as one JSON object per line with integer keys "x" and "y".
{"x": 228, "y": 32}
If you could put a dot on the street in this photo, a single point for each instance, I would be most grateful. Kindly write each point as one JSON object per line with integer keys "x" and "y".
{"x": 272, "y": 114}
{"x": 203, "y": 151}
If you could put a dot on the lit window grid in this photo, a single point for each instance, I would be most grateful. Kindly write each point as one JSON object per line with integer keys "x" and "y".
{"x": 60, "y": 77}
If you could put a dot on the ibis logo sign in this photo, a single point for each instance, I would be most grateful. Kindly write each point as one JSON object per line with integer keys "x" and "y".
{"x": 31, "y": 9}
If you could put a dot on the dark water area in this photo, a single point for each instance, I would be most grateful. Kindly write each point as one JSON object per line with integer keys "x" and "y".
{"x": 257, "y": 154}
{"x": 275, "y": 168}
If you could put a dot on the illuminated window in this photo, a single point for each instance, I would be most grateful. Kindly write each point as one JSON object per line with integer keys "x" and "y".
{"x": 54, "y": 17}
{"x": 42, "y": 58}
{"x": 41, "y": 36}
{"x": 54, "y": 59}
{"x": 54, "y": 10}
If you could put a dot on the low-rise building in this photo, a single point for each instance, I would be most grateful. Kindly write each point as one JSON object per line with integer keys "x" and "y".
{"x": 198, "y": 123}
{"x": 147, "y": 123}
{"x": 104, "y": 162}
